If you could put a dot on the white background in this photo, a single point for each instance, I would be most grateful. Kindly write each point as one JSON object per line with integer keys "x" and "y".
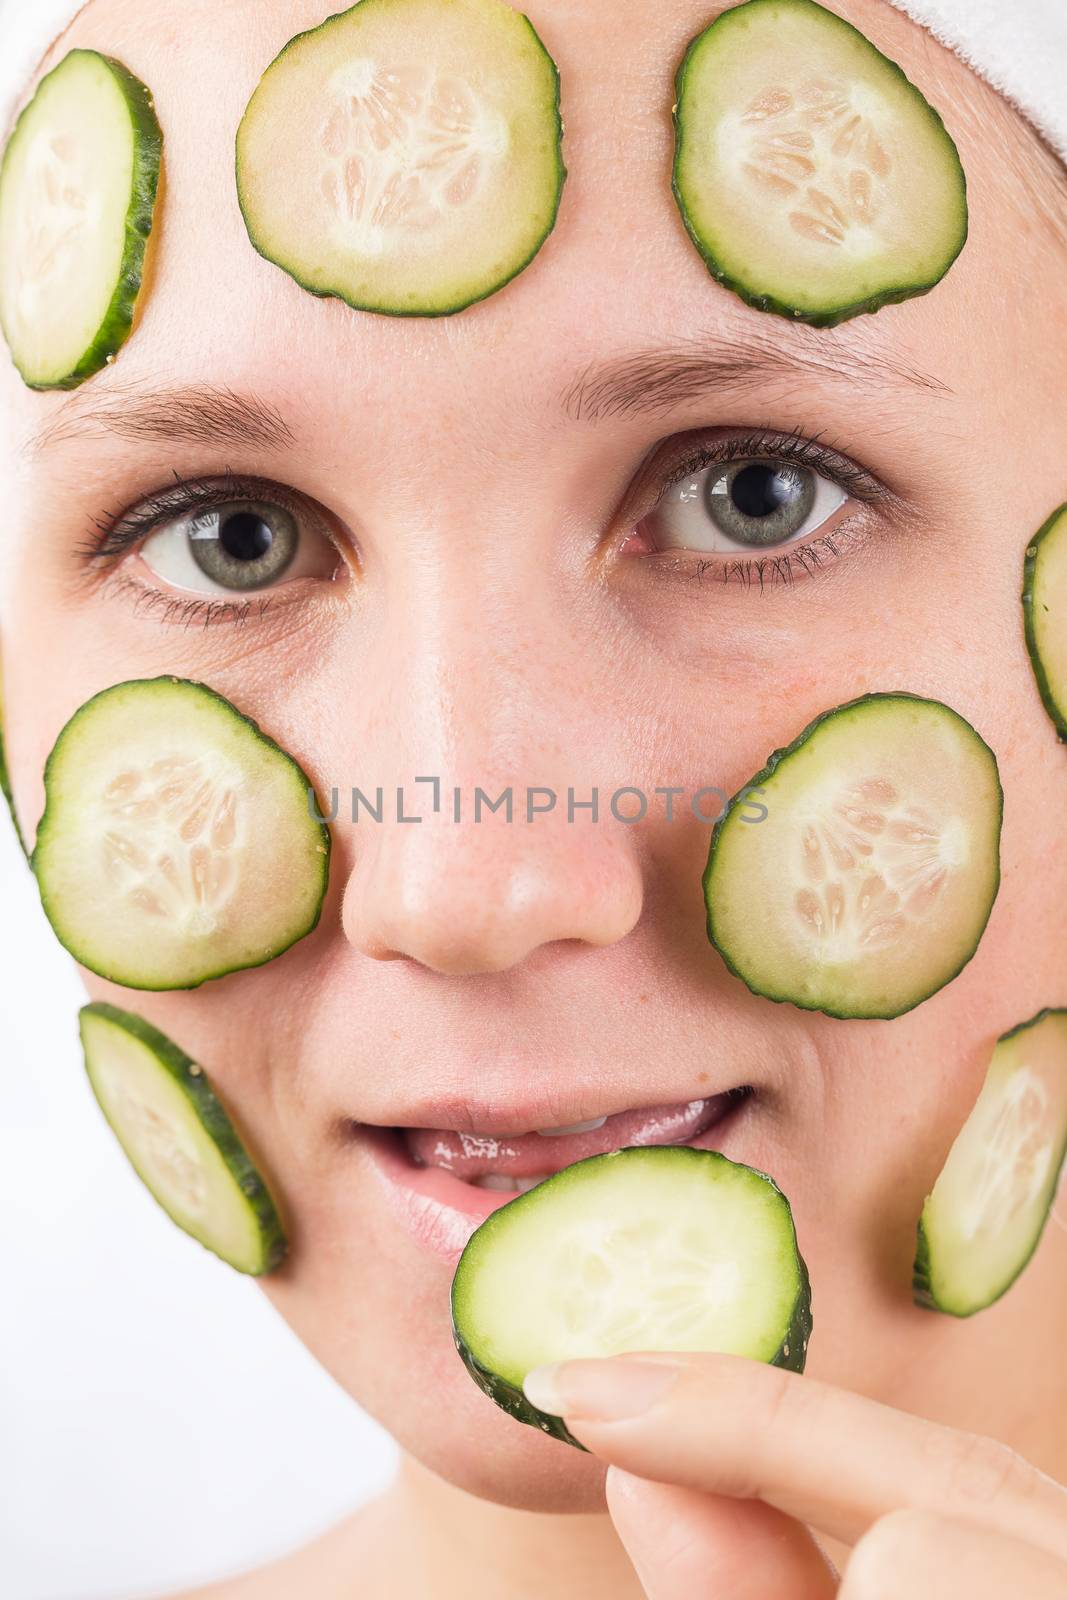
{"x": 159, "y": 1425}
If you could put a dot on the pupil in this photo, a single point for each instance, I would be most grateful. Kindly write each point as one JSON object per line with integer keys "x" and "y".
{"x": 245, "y": 537}
{"x": 759, "y": 491}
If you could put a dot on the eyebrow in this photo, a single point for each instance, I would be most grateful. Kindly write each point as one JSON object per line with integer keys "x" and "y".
{"x": 200, "y": 414}
{"x": 659, "y": 379}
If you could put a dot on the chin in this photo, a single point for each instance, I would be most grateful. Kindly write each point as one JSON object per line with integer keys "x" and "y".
{"x": 391, "y": 1350}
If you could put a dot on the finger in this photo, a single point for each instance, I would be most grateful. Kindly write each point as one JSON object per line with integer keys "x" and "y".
{"x": 685, "y": 1545}
{"x": 832, "y": 1459}
{"x": 927, "y": 1557}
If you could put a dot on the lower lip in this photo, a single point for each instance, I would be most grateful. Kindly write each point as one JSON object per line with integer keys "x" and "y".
{"x": 439, "y": 1210}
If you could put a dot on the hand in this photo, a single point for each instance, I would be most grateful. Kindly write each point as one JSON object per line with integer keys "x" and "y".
{"x": 745, "y": 1458}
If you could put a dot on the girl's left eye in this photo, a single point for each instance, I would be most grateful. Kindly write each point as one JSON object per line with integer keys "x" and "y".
{"x": 237, "y": 547}
{"x": 746, "y": 506}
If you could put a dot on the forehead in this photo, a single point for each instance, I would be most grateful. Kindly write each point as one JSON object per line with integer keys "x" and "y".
{"x": 618, "y": 270}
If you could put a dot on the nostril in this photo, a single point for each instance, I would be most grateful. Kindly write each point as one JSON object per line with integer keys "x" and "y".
{"x": 463, "y": 901}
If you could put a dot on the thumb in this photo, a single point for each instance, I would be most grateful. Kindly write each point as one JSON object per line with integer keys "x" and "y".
{"x": 688, "y": 1545}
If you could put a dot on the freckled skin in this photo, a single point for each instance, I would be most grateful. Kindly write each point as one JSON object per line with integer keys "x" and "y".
{"x": 497, "y": 629}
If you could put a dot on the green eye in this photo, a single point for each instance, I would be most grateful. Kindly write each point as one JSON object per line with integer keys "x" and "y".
{"x": 749, "y": 505}
{"x": 239, "y": 546}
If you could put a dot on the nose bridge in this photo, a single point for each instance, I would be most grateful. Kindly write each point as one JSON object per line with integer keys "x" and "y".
{"x": 483, "y": 845}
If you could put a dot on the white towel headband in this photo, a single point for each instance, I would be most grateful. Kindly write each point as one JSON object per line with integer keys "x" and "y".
{"x": 1019, "y": 46}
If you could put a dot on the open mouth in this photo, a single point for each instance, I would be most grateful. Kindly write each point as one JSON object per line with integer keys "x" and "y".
{"x": 447, "y": 1181}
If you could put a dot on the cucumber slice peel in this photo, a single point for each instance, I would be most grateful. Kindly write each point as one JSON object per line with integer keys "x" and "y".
{"x": 868, "y": 886}
{"x": 405, "y": 156}
{"x": 813, "y": 177}
{"x": 985, "y": 1216}
{"x": 78, "y": 187}
{"x": 660, "y": 1247}
{"x": 1045, "y": 614}
{"x": 179, "y": 1139}
{"x": 177, "y": 842}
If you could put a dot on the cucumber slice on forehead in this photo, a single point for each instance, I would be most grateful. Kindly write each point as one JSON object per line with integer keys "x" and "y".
{"x": 177, "y": 842}
{"x": 869, "y": 883}
{"x": 985, "y": 1217}
{"x": 405, "y": 155}
{"x": 1045, "y": 613}
{"x": 654, "y": 1247}
{"x": 78, "y": 190}
{"x": 813, "y": 177}
{"x": 179, "y": 1139}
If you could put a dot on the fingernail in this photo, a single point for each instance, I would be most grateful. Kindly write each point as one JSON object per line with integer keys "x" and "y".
{"x": 599, "y": 1391}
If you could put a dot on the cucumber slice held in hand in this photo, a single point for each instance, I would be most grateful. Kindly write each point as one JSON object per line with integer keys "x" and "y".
{"x": 78, "y": 187}
{"x": 179, "y": 1139}
{"x": 652, "y": 1247}
{"x": 988, "y": 1209}
{"x": 1045, "y": 614}
{"x": 405, "y": 155}
{"x": 813, "y": 177}
{"x": 177, "y": 842}
{"x": 868, "y": 885}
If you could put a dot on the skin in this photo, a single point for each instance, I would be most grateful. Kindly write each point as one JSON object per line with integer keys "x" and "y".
{"x": 498, "y": 620}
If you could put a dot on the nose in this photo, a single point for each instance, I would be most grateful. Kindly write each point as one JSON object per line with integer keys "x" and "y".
{"x": 482, "y": 687}
{"x": 480, "y": 896}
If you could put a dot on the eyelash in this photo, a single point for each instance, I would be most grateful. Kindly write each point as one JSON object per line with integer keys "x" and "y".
{"x": 115, "y": 534}
{"x": 761, "y": 572}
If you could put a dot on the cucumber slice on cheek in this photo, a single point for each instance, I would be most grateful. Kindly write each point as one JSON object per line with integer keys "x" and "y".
{"x": 814, "y": 179}
{"x": 179, "y": 1140}
{"x": 988, "y": 1209}
{"x": 647, "y": 1248}
{"x": 868, "y": 885}
{"x": 1045, "y": 613}
{"x": 177, "y": 842}
{"x": 77, "y": 196}
{"x": 405, "y": 155}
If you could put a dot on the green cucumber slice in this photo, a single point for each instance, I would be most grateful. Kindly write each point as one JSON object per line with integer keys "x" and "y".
{"x": 405, "y": 155}
{"x": 1045, "y": 614}
{"x": 179, "y": 1140}
{"x": 813, "y": 177}
{"x": 652, "y": 1247}
{"x": 177, "y": 842}
{"x": 984, "y": 1219}
{"x": 78, "y": 188}
{"x": 869, "y": 883}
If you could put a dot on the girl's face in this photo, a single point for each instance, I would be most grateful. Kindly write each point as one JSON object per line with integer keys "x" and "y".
{"x": 495, "y": 586}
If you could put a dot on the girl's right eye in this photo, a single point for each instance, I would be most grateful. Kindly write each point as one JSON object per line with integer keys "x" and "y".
{"x": 237, "y": 547}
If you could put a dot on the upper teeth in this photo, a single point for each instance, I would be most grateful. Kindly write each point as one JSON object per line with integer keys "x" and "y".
{"x": 572, "y": 1127}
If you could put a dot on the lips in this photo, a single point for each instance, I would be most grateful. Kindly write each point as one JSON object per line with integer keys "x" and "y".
{"x": 498, "y": 1161}
{"x": 440, "y": 1184}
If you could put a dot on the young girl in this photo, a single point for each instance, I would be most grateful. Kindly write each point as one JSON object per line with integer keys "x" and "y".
{"x": 488, "y": 576}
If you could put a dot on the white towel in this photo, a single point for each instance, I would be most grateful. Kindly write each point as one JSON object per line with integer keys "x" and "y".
{"x": 1019, "y": 46}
